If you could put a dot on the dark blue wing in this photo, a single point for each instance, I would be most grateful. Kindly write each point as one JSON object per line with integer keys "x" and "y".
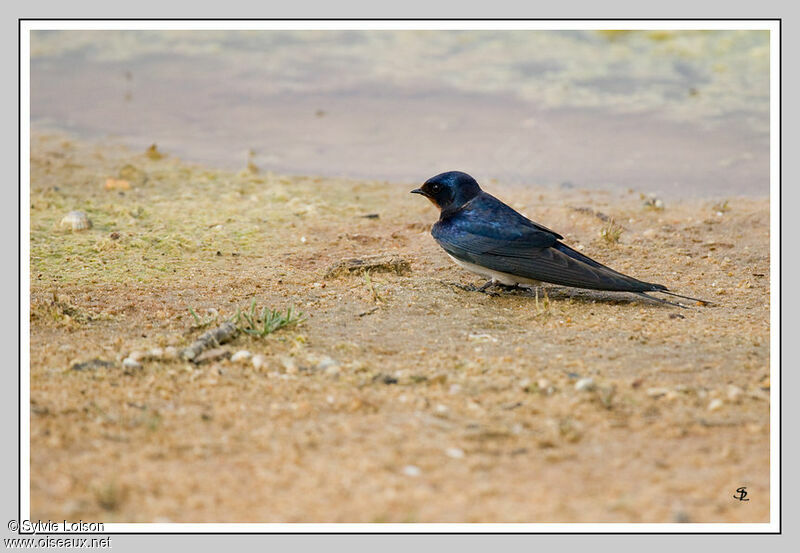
{"x": 489, "y": 236}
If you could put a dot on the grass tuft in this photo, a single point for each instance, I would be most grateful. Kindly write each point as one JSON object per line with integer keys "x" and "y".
{"x": 611, "y": 232}
{"x": 376, "y": 297}
{"x": 721, "y": 207}
{"x": 58, "y": 309}
{"x": 266, "y": 321}
{"x": 202, "y": 323}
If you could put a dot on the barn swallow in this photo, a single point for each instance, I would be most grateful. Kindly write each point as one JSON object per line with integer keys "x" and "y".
{"x": 485, "y": 236}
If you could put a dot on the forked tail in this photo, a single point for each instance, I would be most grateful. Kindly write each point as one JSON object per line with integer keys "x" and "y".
{"x": 661, "y": 300}
{"x": 704, "y": 302}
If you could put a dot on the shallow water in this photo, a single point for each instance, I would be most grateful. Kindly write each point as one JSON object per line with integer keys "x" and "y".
{"x": 678, "y": 114}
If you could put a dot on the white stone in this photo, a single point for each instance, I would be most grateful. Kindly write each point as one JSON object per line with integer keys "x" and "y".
{"x": 130, "y": 363}
{"x": 76, "y": 220}
{"x": 715, "y": 404}
{"x": 482, "y": 338}
{"x": 734, "y": 392}
{"x": 241, "y": 356}
{"x": 454, "y": 452}
{"x": 327, "y": 363}
{"x": 136, "y": 355}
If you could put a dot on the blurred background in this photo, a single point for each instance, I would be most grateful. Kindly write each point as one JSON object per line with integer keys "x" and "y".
{"x": 677, "y": 113}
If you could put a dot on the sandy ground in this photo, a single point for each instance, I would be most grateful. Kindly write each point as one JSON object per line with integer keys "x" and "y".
{"x": 402, "y": 397}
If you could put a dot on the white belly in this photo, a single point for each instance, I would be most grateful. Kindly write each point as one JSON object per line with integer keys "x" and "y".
{"x": 496, "y": 276}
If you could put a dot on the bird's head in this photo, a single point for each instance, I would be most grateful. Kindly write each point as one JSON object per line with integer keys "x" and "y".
{"x": 449, "y": 191}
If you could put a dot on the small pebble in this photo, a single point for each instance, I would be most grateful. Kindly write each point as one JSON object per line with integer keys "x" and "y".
{"x": 129, "y": 363}
{"x": 657, "y": 392}
{"x": 654, "y": 203}
{"x": 171, "y": 352}
{"x": 715, "y": 405}
{"x": 241, "y": 356}
{"x": 289, "y": 365}
{"x": 155, "y": 353}
{"x": 411, "y": 470}
{"x": 481, "y": 338}
{"x": 327, "y": 363}
{"x": 76, "y": 220}
{"x": 734, "y": 392}
{"x": 259, "y": 361}
{"x": 585, "y": 385}
{"x": 136, "y": 355}
{"x": 441, "y": 409}
{"x": 454, "y": 453}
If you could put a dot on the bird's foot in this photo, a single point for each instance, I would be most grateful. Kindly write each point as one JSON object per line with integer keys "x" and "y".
{"x": 509, "y": 287}
{"x": 485, "y": 289}
{"x": 488, "y": 284}
{"x": 471, "y": 288}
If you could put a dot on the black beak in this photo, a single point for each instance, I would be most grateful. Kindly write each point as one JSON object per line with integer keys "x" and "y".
{"x": 419, "y": 191}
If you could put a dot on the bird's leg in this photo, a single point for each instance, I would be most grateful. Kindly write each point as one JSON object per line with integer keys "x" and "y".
{"x": 509, "y": 287}
{"x": 485, "y": 288}
{"x": 472, "y": 288}
{"x": 489, "y": 284}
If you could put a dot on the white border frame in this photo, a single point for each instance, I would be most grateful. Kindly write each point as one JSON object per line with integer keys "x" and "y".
{"x": 594, "y": 24}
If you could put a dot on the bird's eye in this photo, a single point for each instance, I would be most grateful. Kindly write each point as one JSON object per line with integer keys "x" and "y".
{"x": 435, "y": 188}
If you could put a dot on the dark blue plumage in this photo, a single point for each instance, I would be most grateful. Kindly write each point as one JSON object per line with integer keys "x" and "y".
{"x": 485, "y": 236}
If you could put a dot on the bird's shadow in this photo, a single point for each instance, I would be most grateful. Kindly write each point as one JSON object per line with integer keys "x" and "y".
{"x": 559, "y": 293}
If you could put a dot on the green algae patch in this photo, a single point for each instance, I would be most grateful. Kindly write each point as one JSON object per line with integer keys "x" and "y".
{"x": 172, "y": 218}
